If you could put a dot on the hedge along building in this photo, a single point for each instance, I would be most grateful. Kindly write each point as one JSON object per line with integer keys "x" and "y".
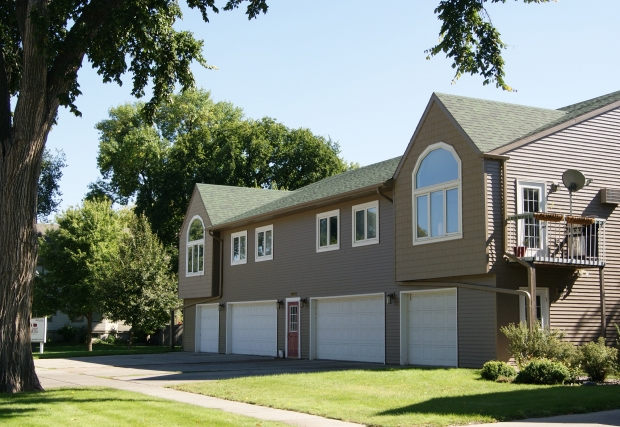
{"x": 416, "y": 260}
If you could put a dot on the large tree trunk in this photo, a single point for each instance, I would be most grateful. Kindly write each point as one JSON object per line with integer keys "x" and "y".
{"x": 21, "y": 149}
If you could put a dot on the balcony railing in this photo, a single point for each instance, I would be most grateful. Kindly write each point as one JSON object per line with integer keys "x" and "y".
{"x": 556, "y": 239}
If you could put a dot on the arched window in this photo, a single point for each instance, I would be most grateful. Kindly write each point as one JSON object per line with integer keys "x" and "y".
{"x": 437, "y": 195}
{"x": 195, "y": 247}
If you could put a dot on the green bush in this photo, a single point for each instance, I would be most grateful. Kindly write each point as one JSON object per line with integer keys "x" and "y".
{"x": 73, "y": 334}
{"x": 543, "y": 371}
{"x": 598, "y": 360}
{"x": 493, "y": 369}
{"x": 617, "y": 348}
{"x": 541, "y": 343}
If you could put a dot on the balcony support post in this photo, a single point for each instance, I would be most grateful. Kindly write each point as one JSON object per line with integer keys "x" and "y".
{"x": 531, "y": 287}
{"x": 601, "y": 280}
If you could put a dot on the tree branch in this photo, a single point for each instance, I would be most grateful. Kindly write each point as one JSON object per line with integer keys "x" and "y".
{"x": 63, "y": 72}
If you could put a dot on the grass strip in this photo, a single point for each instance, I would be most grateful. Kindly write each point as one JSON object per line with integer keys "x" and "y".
{"x": 95, "y": 406}
{"x": 409, "y": 396}
{"x": 63, "y": 351}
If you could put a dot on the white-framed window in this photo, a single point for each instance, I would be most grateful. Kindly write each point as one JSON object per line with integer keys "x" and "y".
{"x": 437, "y": 195}
{"x": 264, "y": 243}
{"x": 542, "y": 306}
{"x": 195, "y": 247}
{"x": 238, "y": 247}
{"x": 328, "y": 231}
{"x": 531, "y": 197}
{"x": 365, "y": 224}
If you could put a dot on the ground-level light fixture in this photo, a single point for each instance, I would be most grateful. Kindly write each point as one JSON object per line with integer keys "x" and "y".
{"x": 304, "y": 302}
{"x": 280, "y": 303}
{"x": 390, "y": 297}
{"x": 221, "y": 306}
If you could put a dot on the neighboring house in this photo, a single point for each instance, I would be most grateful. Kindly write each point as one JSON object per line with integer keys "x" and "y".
{"x": 412, "y": 260}
{"x": 101, "y": 325}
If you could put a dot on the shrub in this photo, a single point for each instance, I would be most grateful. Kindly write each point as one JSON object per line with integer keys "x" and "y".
{"x": 73, "y": 334}
{"x": 541, "y": 343}
{"x": 543, "y": 371}
{"x": 598, "y": 360}
{"x": 617, "y": 348}
{"x": 494, "y": 369}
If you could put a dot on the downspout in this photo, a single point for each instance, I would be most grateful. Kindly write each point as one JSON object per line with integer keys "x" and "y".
{"x": 531, "y": 286}
{"x": 531, "y": 270}
{"x": 601, "y": 280}
{"x": 483, "y": 288}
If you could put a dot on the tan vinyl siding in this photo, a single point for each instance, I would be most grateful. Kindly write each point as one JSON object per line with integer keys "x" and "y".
{"x": 297, "y": 270}
{"x": 476, "y": 327}
{"x": 465, "y": 256}
{"x": 495, "y": 236}
{"x": 593, "y": 147}
{"x": 189, "y": 325}
{"x": 196, "y": 286}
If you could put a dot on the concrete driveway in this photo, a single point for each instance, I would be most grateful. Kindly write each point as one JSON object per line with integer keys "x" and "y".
{"x": 181, "y": 367}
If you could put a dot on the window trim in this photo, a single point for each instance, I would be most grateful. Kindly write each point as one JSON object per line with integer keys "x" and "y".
{"x": 448, "y": 185}
{"x": 545, "y": 306}
{"x": 365, "y": 207}
{"x": 541, "y": 186}
{"x": 194, "y": 243}
{"x": 243, "y": 233}
{"x": 263, "y": 229}
{"x": 336, "y": 213}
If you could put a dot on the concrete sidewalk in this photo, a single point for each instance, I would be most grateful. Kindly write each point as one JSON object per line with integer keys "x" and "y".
{"x": 148, "y": 374}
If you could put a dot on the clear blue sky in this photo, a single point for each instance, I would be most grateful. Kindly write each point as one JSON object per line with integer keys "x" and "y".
{"x": 356, "y": 71}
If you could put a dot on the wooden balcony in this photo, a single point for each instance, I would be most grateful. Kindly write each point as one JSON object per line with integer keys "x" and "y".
{"x": 556, "y": 239}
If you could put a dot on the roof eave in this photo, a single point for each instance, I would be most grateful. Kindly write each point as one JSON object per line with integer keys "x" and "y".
{"x": 520, "y": 142}
{"x": 359, "y": 192}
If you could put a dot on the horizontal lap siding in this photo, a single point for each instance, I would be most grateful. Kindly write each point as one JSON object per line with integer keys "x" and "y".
{"x": 195, "y": 286}
{"x": 189, "y": 325}
{"x": 495, "y": 214}
{"x": 593, "y": 147}
{"x": 464, "y": 256}
{"x": 476, "y": 327}
{"x": 297, "y": 270}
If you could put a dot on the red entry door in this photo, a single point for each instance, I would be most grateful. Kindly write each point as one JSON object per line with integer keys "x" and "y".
{"x": 292, "y": 310}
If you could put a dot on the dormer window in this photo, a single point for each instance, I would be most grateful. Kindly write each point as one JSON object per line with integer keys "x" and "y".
{"x": 195, "y": 247}
{"x": 437, "y": 195}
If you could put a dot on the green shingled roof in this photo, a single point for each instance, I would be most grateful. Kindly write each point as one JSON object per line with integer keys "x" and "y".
{"x": 492, "y": 124}
{"x": 229, "y": 204}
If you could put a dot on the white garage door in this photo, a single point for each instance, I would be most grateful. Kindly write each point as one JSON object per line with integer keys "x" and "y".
{"x": 351, "y": 328}
{"x": 208, "y": 328}
{"x": 431, "y": 328}
{"x": 254, "y": 328}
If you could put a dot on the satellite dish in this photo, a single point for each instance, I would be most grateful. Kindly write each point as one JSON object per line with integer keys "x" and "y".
{"x": 573, "y": 180}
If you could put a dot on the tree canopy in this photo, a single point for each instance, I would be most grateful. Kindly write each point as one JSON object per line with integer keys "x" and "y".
{"x": 142, "y": 290}
{"x": 196, "y": 140}
{"x": 78, "y": 257}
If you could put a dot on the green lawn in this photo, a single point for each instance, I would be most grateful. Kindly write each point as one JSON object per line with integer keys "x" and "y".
{"x": 108, "y": 407}
{"x": 410, "y": 396}
{"x": 53, "y": 351}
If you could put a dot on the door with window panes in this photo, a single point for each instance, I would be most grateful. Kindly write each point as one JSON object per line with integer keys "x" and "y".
{"x": 532, "y": 233}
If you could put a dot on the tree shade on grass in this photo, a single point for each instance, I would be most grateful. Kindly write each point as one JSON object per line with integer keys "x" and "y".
{"x": 409, "y": 396}
{"x": 109, "y": 407}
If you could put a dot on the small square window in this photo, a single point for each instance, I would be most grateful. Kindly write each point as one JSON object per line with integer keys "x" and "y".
{"x": 366, "y": 224}
{"x": 264, "y": 243}
{"x": 328, "y": 231}
{"x": 238, "y": 246}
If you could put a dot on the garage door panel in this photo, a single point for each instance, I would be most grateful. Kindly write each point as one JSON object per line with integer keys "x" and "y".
{"x": 431, "y": 323}
{"x": 254, "y": 329}
{"x": 351, "y": 329}
{"x": 208, "y": 319}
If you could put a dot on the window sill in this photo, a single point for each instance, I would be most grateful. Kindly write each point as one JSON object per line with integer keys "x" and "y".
{"x": 199, "y": 273}
{"x": 328, "y": 248}
{"x": 437, "y": 239}
{"x": 245, "y": 261}
{"x": 263, "y": 258}
{"x": 365, "y": 242}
